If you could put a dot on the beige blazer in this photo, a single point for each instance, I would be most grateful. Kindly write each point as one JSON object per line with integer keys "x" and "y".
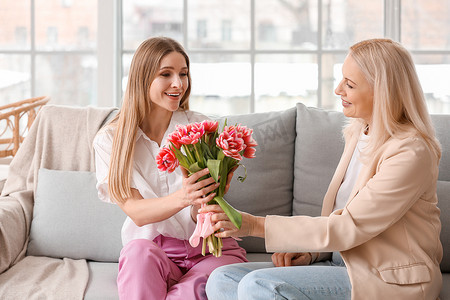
{"x": 388, "y": 232}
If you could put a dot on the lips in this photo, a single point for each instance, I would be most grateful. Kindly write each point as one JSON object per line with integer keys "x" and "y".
{"x": 173, "y": 94}
{"x": 345, "y": 103}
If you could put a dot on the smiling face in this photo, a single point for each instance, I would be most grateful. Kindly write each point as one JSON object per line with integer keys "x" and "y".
{"x": 171, "y": 82}
{"x": 355, "y": 91}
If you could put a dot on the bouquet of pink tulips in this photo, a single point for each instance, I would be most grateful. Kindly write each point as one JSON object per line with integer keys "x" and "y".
{"x": 200, "y": 145}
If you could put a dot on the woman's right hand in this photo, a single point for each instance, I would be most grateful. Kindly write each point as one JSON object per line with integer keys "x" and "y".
{"x": 291, "y": 259}
{"x": 195, "y": 192}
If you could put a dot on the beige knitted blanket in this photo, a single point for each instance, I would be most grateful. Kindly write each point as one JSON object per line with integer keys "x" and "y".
{"x": 60, "y": 139}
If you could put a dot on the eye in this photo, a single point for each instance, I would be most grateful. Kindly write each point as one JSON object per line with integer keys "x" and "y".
{"x": 183, "y": 74}
{"x": 349, "y": 86}
{"x": 165, "y": 74}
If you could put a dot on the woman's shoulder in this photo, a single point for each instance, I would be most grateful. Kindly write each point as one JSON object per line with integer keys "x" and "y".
{"x": 409, "y": 142}
{"x": 104, "y": 136}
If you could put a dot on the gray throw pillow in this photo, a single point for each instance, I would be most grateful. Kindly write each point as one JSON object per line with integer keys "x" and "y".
{"x": 318, "y": 148}
{"x": 443, "y": 194}
{"x": 268, "y": 187}
{"x": 70, "y": 221}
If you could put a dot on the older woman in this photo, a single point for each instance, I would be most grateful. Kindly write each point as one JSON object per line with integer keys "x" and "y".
{"x": 380, "y": 212}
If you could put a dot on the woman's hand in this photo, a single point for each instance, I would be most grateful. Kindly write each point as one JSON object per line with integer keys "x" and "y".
{"x": 291, "y": 259}
{"x": 195, "y": 192}
{"x": 251, "y": 225}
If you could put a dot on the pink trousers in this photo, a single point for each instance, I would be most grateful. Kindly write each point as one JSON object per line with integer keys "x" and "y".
{"x": 169, "y": 268}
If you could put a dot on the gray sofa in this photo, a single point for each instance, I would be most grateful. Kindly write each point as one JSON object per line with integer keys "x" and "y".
{"x": 298, "y": 151}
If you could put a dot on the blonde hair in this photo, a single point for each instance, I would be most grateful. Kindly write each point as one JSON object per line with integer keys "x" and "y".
{"x": 398, "y": 101}
{"x": 135, "y": 107}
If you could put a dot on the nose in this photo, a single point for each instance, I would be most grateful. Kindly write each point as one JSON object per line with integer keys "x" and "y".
{"x": 177, "y": 82}
{"x": 339, "y": 90}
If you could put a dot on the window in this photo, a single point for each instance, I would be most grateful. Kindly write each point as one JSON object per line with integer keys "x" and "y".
{"x": 254, "y": 56}
{"x": 226, "y": 30}
{"x": 201, "y": 29}
{"x": 48, "y": 48}
{"x": 246, "y": 55}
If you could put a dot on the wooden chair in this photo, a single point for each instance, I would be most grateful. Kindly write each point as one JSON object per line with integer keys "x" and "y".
{"x": 10, "y": 117}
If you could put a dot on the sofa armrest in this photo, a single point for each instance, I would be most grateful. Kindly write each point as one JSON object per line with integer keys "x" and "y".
{"x": 13, "y": 232}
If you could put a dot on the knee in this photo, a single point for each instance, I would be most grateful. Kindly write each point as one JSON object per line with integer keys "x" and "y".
{"x": 253, "y": 282}
{"x": 248, "y": 282}
{"x": 221, "y": 283}
{"x": 214, "y": 280}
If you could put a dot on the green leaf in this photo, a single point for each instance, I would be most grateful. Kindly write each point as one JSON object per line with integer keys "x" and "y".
{"x": 220, "y": 155}
{"x": 206, "y": 150}
{"x": 234, "y": 216}
{"x": 214, "y": 168}
{"x": 188, "y": 152}
{"x": 180, "y": 156}
{"x": 194, "y": 168}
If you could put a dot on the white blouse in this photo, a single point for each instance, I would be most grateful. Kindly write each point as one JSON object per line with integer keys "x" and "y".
{"x": 353, "y": 169}
{"x": 148, "y": 180}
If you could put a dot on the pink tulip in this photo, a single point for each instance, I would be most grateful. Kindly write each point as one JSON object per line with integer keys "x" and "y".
{"x": 175, "y": 138}
{"x": 166, "y": 160}
{"x": 231, "y": 142}
{"x": 197, "y": 128}
{"x": 249, "y": 152}
{"x": 191, "y": 138}
{"x": 210, "y": 126}
{"x": 189, "y": 134}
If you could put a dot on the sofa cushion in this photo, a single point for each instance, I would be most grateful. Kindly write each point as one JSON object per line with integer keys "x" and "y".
{"x": 443, "y": 194}
{"x": 102, "y": 281}
{"x": 268, "y": 187}
{"x": 70, "y": 221}
{"x": 318, "y": 148}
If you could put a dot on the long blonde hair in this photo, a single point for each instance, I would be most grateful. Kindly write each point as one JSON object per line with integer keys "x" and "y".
{"x": 135, "y": 107}
{"x": 398, "y": 102}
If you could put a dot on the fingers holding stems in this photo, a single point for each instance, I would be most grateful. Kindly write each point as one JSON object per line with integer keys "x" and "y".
{"x": 197, "y": 192}
{"x": 251, "y": 225}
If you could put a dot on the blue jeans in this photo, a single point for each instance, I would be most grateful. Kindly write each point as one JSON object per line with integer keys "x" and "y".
{"x": 261, "y": 280}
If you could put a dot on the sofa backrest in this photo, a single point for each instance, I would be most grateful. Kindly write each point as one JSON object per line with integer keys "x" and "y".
{"x": 442, "y": 125}
{"x": 318, "y": 149}
{"x": 298, "y": 151}
{"x": 268, "y": 187}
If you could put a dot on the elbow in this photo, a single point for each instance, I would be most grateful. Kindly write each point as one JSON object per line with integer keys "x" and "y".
{"x": 133, "y": 214}
{"x": 137, "y": 219}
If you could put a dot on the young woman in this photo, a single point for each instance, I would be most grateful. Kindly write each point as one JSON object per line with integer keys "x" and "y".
{"x": 380, "y": 212}
{"x": 157, "y": 261}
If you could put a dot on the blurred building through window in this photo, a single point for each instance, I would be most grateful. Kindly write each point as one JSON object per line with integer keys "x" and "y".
{"x": 55, "y": 55}
{"x": 246, "y": 55}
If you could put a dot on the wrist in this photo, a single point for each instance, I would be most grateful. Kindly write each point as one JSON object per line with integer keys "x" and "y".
{"x": 258, "y": 226}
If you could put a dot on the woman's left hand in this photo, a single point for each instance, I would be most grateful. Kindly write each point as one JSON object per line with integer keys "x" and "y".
{"x": 251, "y": 225}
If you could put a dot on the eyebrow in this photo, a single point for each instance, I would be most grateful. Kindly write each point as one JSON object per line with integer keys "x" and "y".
{"x": 172, "y": 68}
